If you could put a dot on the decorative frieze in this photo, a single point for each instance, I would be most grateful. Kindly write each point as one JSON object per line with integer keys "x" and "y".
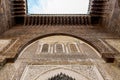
{"x": 71, "y": 72}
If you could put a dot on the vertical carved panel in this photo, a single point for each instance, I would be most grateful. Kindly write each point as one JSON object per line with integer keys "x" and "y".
{"x": 59, "y": 48}
{"x": 45, "y": 48}
{"x": 73, "y": 48}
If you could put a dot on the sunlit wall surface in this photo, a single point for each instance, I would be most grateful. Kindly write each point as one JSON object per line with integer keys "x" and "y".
{"x": 57, "y": 6}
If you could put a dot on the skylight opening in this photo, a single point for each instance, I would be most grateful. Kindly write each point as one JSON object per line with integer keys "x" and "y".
{"x": 57, "y": 6}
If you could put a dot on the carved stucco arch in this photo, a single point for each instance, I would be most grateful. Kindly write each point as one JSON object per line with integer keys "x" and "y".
{"x": 94, "y": 42}
{"x": 67, "y": 71}
{"x": 86, "y": 40}
{"x": 77, "y": 72}
{"x": 60, "y": 34}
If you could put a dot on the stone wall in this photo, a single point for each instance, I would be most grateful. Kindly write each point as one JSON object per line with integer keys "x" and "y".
{"x": 114, "y": 21}
{"x": 25, "y": 34}
{"x": 5, "y": 15}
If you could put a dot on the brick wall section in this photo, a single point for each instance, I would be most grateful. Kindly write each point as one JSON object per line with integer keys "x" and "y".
{"x": 5, "y": 15}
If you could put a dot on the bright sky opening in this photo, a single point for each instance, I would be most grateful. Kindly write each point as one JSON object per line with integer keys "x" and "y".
{"x": 58, "y": 6}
